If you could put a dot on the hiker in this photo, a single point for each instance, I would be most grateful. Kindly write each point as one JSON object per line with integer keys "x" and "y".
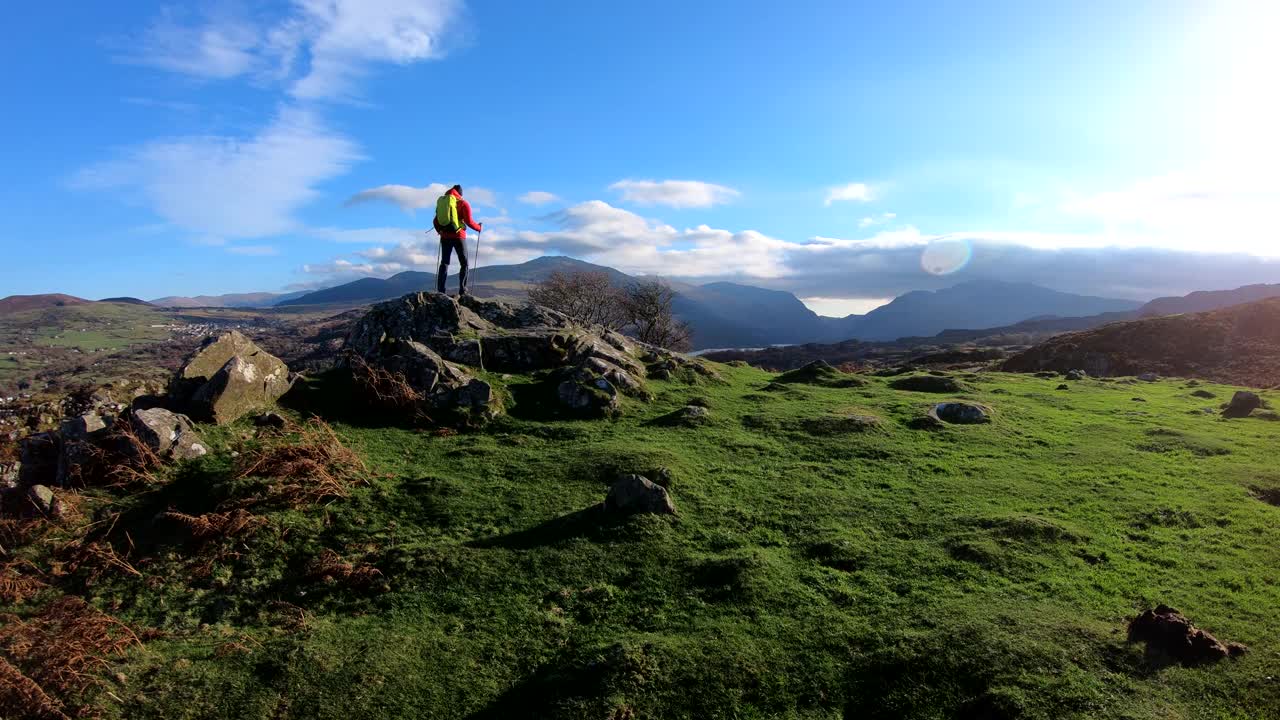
{"x": 453, "y": 217}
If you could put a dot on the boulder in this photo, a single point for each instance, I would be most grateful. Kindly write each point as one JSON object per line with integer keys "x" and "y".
{"x": 212, "y": 356}
{"x": 77, "y": 448}
{"x": 960, "y": 413}
{"x": 246, "y": 382}
{"x": 1148, "y": 377}
{"x": 1077, "y": 375}
{"x": 634, "y": 494}
{"x": 1242, "y": 403}
{"x": 687, "y": 416}
{"x": 168, "y": 434}
{"x": 1203, "y": 394}
{"x": 443, "y": 385}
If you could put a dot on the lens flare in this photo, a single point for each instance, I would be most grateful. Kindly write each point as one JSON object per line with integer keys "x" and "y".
{"x": 944, "y": 257}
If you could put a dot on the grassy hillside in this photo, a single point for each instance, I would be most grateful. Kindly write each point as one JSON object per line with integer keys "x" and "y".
{"x": 817, "y": 568}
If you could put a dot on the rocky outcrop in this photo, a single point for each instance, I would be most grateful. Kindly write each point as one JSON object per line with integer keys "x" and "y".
{"x": 927, "y": 383}
{"x": 229, "y": 378}
{"x": 438, "y": 343}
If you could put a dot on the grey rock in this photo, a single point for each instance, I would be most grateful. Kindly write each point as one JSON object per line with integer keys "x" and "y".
{"x": 82, "y": 427}
{"x": 43, "y": 499}
{"x": 1242, "y": 403}
{"x": 586, "y": 393}
{"x": 168, "y": 434}
{"x": 1148, "y": 377}
{"x": 633, "y": 495}
{"x": 1077, "y": 375}
{"x": 687, "y": 416}
{"x": 960, "y": 413}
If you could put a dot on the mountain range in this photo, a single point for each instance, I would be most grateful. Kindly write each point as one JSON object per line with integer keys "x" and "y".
{"x": 726, "y": 314}
{"x": 729, "y": 315}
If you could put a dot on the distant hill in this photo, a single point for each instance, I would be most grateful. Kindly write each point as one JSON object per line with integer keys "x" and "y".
{"x": 21, "y": 303}
{"x": 1204, "y": 300}
{"x": 971, "y": 305}
{"x": 232, "y": 300}
{"x": 495, "y": 279}
{"x": 1238, "y": 345}
{"x": 125, "y": 300}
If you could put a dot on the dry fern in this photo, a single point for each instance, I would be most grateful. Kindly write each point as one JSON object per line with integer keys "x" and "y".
{"x": 309, "y": 466}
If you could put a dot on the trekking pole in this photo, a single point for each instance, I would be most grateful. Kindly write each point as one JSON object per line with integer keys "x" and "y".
{"x": 477, "y": 266}
{"x": 439, "y": 257}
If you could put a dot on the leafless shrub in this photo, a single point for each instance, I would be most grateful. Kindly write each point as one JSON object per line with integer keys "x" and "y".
{"x": 647, "y": 307}
{"x": 589, "y": 297}
{"x": 384, "y": 389}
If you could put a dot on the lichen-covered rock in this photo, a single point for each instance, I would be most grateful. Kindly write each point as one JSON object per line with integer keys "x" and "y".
{"x": 250, "y": 381}
{"x": 1077, "y": 375}
{"x": 583, "y": 392}
{"x": 687, "y": 416}
{"x": 168, "y": 434}
{"x": 633, "y": 495}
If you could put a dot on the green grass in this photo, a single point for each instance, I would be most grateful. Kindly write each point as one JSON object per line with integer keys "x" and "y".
{"x": 975, "y": 571}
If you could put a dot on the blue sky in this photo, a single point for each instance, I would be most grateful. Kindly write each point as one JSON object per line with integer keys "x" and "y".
{"x": 845, "y": 151}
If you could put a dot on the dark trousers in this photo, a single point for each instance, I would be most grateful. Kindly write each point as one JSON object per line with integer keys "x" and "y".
{"x": 448, "y": 246}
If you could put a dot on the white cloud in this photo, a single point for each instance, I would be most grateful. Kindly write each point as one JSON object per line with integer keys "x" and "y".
{"x": 317, "y": 51}
{"x": 538, "y": 197}
{"x": 368, "y": 236}
{"x": 1225, "y": 209}
{"x": 220, "y": 49}
{"x": 227, "y": 186}
{"x": 409, "y": 198}
{"x": 253, "y": 250}
{"x": 880, "y": 219}
{"x": 860, "y": 192}
{"x": 674, "y": 193}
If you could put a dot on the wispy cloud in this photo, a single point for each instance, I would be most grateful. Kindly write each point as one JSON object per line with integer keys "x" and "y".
{"x": 674, "y": 193}
{"x": 855, "y": 192}
{"x": 226, "y": 186}
{"x": 253, "y": 250}
{"x": 538, "y": 197}
{"x": 409, "y": 198}
{"x": 316, "y": 51}
{"x": 880, "y": 219}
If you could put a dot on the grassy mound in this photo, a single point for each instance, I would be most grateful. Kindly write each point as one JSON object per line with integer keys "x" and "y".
{"x": 816, "y": 569}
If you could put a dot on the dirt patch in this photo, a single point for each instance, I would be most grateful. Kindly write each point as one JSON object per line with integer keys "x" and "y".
{"x": 1271, "y": 496}
{"x": 927, "y": 383}
{"x": 1169, "y": 634}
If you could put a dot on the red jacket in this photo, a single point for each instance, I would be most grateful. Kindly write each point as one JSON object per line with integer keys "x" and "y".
{"x": 464, "y": 215}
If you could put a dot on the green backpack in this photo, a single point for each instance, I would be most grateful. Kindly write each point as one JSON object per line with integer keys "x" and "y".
{"x": 447, "y": 212}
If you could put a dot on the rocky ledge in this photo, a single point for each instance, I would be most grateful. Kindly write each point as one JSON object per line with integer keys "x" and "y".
{"x": 433, "y": 352}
